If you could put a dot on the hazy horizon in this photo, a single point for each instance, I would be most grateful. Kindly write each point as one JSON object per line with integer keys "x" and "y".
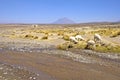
{"x": 48, "y": 11}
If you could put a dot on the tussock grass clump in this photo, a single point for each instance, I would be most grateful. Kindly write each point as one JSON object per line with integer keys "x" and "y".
{"x": 90, "y": 47}
{"x": 60, "y": 33}
{"x": 108, "y": 48}
{"x": 35, "y": 37}
{"x": 66, "y": 37}
{"x": 106, "y": 31}
{"x": 12, "y": 36}
{"x": 65, "y": 46}
{"x": 29, "y": 36}
{"x": 44, "y": 37}
{"x": 116, "y": 49}
{"x": 101, "y": 48}
{"x": 81, "y": 33}
{"x": 81, "y": 45}
{"x": 102, "y": 32}
{"x": 97, "y": 47}
{"x": 44, "y": 31}
{"x": 37, "y": 31}
{"x": 116, "y": 34}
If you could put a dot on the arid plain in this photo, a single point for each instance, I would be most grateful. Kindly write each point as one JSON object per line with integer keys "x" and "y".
{"x": 45, "y": 52}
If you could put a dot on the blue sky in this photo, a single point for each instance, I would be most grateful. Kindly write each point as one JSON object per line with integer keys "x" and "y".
{"x": 47, "y": 11}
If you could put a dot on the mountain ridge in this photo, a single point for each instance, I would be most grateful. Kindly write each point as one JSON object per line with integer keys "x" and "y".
{"x": 64, "y": 21}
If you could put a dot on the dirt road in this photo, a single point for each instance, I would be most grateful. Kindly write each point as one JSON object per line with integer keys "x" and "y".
{"x": 50, "y": 67}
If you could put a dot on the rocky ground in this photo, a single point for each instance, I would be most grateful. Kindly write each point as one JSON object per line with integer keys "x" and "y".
{"x": 8, "y": 72}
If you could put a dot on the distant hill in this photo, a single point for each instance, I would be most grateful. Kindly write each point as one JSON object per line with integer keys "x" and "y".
{"x": 64, "y": 21}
